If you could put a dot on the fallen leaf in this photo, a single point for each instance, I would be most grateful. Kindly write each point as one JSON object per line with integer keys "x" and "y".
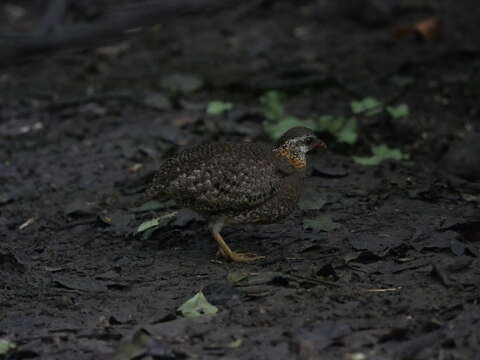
{"x": 273, "y": 107}
{"x": 321, "y": 223}
{"x": 140, "y": 344}
{"x": 6, "y": 346}
{"x": 399, "y": 111}
{"x": 78, "y": 283}
{"x": 368, "y": 106}
{"x": 235, "y": 276}
{"x": 156, "y": 222}
{"x": 345, "y": 130}
{"x": 278, "y": 121}
{"x": 348, "y": 133}
{"x": 218, "y": 107}
{"x": 81, "y": 208}
{"x": 427, "y": 29}
{"x": 198, "y": 305}
{"x": 235, "y": 344}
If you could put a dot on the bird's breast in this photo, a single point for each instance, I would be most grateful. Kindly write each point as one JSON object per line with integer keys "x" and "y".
{"x": 296, "y": 161}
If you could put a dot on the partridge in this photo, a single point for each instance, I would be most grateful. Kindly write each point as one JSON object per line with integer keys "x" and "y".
{"x": 238, "y": 183}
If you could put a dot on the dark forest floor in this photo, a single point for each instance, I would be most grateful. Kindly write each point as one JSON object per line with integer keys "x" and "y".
{"x": 394, "y": 272}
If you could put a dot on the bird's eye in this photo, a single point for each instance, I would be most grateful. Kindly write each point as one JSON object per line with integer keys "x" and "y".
{"x": 309, "y": 141}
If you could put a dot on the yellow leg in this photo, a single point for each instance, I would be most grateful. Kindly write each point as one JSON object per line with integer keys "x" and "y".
{"x": 225, "y": 250}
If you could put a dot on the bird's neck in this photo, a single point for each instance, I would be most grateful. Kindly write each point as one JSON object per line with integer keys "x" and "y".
{"x": 297, "y": 160}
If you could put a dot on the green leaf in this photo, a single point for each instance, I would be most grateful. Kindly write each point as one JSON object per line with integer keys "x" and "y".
{"x": 345, "y": 130}
{"x": 348, "y": 133}
{"x": 278, "y": 122}
{"x": 329, "y": 123}
{"x": 156, "y": 222}
{"x": 218, "y": 107}
{"x": 198, "y": 305}
{"x": 147, "y": 225}
{"x": 235, "y": 344}
{"x": 399, "y": 111}
{"x": 368, "y": 106}
{"x": 136, "y": 347}
{"x": 402, "y": 81}
{"x": 275, "y": 130}
{"x": 379, "y": 154}
{"x": 236, "y": 276}
{"x": 6, "y": 346}
{"x": 321, "y": 223}
{"x": 273, "y": 108}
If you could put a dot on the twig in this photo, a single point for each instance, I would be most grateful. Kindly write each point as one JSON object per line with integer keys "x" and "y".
{"x": 125, "y": 96}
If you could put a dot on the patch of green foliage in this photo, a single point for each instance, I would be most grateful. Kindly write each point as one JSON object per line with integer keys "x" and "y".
{"x": 344, "y": 129}
{"x": 399, "y": 111}
{"x": 368, "y": 106}
{"x": 379, "y": 154}
{"x": 279, "y": 121}
{"x": 371, "y": 106}
{"x": 218, "y": 107}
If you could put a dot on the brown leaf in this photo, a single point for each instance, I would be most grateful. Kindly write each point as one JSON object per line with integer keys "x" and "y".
{"x": 427, "y": 29}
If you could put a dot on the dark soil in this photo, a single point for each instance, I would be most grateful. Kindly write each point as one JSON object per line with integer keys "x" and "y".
{"x": 396, "y": 276}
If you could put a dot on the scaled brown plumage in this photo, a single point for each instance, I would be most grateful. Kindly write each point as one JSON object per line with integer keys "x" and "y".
{"x": 234, "y": 183}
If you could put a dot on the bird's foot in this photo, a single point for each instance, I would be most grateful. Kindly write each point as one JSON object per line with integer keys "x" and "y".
{"x": 239, "y": 257}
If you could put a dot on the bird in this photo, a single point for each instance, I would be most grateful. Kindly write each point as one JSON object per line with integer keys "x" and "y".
{"x": 237, "y": 183}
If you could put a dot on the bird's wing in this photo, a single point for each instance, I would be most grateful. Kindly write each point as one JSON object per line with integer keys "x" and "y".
{"x": 225, "y": 177}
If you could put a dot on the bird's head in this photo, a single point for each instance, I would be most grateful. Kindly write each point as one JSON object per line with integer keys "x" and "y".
{"x": 295, "y": 144}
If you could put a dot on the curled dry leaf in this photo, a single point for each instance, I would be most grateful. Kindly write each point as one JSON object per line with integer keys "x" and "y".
{"x": 427, "y": 29}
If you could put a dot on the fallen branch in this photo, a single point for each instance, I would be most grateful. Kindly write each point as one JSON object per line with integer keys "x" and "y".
{"x": 116, "y": 22}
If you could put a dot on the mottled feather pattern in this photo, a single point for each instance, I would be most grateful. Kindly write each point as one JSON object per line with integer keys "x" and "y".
{"x": 276, "y": 208}
{"x": 219, "y": 178}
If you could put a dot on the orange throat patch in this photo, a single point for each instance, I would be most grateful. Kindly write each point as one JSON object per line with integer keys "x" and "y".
{"x": 297, "y": 162}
